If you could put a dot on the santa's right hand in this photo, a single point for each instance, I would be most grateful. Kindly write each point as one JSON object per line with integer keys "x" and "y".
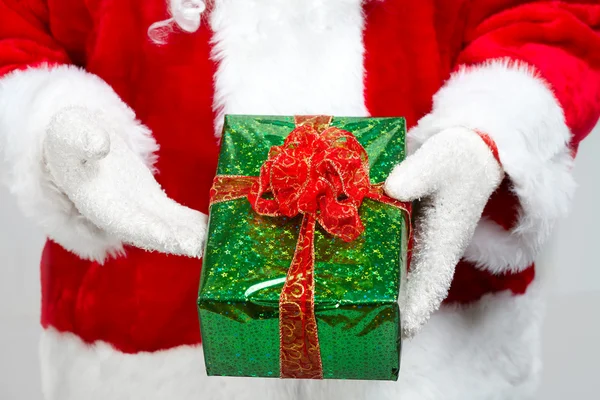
{"x": 113, "y": 189}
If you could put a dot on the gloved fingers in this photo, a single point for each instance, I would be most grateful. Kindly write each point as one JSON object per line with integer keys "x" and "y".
{"x": 456, "y": 172}
{"x": 114, "y": 189}
{"x": 451, "y": 157}
{"x": 418, "y": 134}
{"x": 77, "y": 133}
{"x": 185, "y": 229}
{"x": 442, "y": 233}
{"x": 422, "y": 173}
{"x": 123, "y": 198}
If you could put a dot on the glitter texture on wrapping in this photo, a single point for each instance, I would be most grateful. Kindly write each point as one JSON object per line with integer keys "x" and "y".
{"x": 248, "y": 256}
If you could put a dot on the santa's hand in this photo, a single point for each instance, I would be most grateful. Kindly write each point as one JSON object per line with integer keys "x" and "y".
{"x": 454, "y": 173}
{"x": 112, "y": 187}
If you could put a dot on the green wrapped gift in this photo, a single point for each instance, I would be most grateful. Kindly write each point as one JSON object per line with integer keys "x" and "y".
{"x": 305, "y": 253}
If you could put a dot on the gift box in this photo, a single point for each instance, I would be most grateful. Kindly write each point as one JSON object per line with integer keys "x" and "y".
{"x": 305, "y": 253}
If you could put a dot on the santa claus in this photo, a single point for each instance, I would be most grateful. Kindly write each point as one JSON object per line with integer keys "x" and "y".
{"x": 110, "y": 113}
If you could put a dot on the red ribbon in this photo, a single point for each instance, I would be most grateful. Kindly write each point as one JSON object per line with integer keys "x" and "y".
{"x": 321, "y": 172}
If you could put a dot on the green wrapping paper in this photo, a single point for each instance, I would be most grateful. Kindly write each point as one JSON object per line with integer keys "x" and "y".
{"x": 247, "y": 258}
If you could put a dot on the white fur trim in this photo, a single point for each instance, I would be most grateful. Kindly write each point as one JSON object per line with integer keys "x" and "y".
{"x": 28, "y": 101}
{"x": 317, "y": 67}
{"x": 73, "y": 370}
{"x": 512, "y": 104}
{"x": 497, "y": 249}
{"x": 488, "y": 350}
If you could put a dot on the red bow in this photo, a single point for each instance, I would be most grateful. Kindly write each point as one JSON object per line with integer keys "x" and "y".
{"x": 324, "y": 175}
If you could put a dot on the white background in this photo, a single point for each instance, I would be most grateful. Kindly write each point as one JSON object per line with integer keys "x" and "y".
{"x": 572, "y": 330}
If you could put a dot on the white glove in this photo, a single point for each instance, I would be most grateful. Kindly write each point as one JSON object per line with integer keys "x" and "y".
{"x": 111, "y": 187}
{"x": 454, "y": 173}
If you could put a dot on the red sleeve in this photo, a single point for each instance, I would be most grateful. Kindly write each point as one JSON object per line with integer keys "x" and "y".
{"x": 560, "y": 39}
{"x": 25, "y": 37}
{"x": 528, "y": 75}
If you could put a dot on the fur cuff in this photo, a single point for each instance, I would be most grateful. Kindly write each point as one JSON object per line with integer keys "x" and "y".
{"x": 28, "y": 100}
{"x": 511, "y": 103}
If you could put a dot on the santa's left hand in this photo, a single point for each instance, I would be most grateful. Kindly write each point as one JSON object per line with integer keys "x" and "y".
{"x": 454, "y": 173}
